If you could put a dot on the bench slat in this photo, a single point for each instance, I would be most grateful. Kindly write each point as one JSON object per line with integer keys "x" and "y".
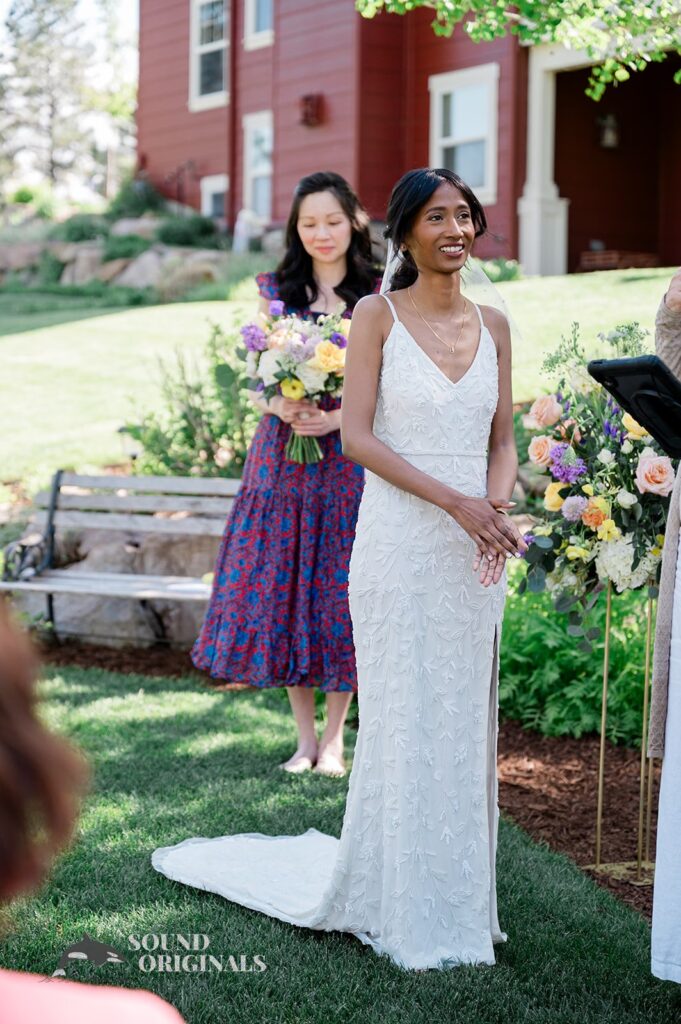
{"x": 208, "y": 527}
{"x": 155, "y": 484}
{"x": 124, "y": 585}
{"x": 138, "y": 503}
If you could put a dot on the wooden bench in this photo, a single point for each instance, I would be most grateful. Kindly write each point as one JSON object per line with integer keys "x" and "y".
{"x": 176, "y": 506}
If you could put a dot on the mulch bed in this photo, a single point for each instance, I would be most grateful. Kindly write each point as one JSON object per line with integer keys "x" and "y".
{"x": 547, "y": 784}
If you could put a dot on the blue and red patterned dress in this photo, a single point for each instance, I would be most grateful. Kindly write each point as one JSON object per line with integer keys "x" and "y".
{"x": 278, "y": 613}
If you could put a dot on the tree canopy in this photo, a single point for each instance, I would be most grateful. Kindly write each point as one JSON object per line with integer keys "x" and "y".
{"x": 620, "y": 36}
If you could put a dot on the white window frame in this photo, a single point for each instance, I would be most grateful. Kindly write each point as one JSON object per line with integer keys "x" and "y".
{"x": 210, "y": 184}
{"x": 254, "y": 40}
{"x": 214, "y": 99}
{"x": 250, "y": 123}
{"x": 449, "y": 82}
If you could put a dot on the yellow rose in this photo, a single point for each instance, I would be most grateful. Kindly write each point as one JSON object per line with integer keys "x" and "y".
{"x": 588, "y": 489}
{"x": 608, "y": 530}
{"x": 552, "y": 498}
{"x": 573, "y": 552}
{"x": 327, "y": 357}
{"x": 634, "y": 430}
{"x": 291, "y": 388}
{"x": 542, "y": 531}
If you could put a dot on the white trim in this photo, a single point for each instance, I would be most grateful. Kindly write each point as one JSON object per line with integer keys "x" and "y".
{"x": 254, "y": 40}
{"x": 261, "y": 120}
{"x": 210, "y": 184}
{"x": 447, "y": 83}
{"x": 542, "y": 212}
{"x": 211, "y": 100}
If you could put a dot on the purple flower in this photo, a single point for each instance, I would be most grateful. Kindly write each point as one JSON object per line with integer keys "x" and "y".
{"x": 565, "y": 465}
{"x": 339, "y": 340}
{"x": 254, "y": 337}
{"x": 572, "y": 508}
{"x": 277, "y": 307}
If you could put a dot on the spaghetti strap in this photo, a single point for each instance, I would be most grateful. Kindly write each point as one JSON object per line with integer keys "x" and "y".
{"x": 392, "y": 308}
{"x": 477, "y": 309}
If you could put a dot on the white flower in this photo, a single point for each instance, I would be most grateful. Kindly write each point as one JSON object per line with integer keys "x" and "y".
{"x": 627, "y": 447}
{"x": 605, "y": 456}
{"x": 312, "y": 378}
{"x": 271, "y": 362}
{"x": 581, "y": 381}
{"x": 625, "y": 499}
{"x": 252, "y": 364}
{"x": 614, "y": 562}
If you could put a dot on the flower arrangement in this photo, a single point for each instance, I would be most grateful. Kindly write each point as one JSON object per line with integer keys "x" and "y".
{"x": 607, "y": 499}
{"x": 297, "y": 359}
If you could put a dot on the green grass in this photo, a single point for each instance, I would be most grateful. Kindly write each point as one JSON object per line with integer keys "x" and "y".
{"x": 172, "y": 760}
{"x": 73, "y": 372}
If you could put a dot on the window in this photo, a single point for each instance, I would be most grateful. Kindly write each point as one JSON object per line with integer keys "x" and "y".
{"x": 258, "y": 144}
{"x": 258, "y": 23}
{"x": 208, "y": 40}
{"x": 463, "y": 126}
{"x": 213, "y": 194}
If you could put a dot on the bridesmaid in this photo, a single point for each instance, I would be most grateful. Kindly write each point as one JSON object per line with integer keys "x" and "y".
{"x": 278, "y": 614}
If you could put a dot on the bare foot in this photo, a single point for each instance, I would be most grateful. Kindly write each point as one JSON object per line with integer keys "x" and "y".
{"x": 330, "y": 759}
{"x": 303, "y": 759}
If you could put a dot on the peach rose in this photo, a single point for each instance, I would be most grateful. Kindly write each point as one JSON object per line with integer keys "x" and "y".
{"x": 539, "y": 449}
{"x": 595, "y": 513}
{"x": 654, "y": 473}
{"x": 544, "y": 412}
{"x": 570, "y": 431}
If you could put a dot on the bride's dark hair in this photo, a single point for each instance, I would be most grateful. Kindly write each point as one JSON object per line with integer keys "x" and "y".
{"x": 295, "y": 282}
{"x": 409, "y": 195}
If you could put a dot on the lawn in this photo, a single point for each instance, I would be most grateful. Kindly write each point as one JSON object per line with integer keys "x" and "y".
{"x": 72, "y": 375}
{"x": 172, "y": 760}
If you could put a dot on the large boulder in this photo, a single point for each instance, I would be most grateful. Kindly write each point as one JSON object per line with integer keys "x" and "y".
{"x": 20, "y": 255}
{"x": 84, "y": 267}
{"x": 112, "y": 268}
{"x": 146, "y": 270}
{"x": 145, "y": 227}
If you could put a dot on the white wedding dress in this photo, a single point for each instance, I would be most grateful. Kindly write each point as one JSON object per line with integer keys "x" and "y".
{"x": 413, "y": 874}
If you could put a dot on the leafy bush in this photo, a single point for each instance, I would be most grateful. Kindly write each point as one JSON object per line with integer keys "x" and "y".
{"x": 82, "y": 227}
{"x": 548, "y": 684}
{"x": 208, "y": 420}
{"x": 124, "y": 247}
{"x": 24, "y": 194}
{"x": 501, "y": 269}
{"x": 135, "y": 197}
{"x": 49, "y": 268}
{"x": 192, "y": 230}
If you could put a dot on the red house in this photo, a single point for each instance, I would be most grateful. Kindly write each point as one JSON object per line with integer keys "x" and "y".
{"x": 238, "y": 99}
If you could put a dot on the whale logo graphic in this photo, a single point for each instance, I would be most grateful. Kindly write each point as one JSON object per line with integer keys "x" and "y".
{"x": 97, "y": 953}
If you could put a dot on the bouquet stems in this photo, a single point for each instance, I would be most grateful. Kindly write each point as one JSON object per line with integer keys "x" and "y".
{"x": 303, "y": 449}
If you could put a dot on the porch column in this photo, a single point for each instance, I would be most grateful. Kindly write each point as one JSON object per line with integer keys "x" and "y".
{"x": 542, "y": 213}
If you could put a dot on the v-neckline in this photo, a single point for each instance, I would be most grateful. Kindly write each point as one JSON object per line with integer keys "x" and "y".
{"x": 454, "y": 383}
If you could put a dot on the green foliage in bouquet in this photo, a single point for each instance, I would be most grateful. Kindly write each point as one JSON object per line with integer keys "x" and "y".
{"x": 207, "y": 421}
{"x": 606, "y": 505}
{"x": 552, "y": 685}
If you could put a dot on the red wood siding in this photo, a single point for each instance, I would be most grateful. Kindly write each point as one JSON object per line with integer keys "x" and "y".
{"x": 627, "y": 197}
{"x": 428, "y": 54}
{"x": 168, "y": 133}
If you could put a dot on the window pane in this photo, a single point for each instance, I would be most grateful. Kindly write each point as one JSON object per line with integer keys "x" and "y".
{"x": 260, "y": 157}
{"x": 212, "y": 22}
{"x": 212, "y": 72}
{"x": 261, "y": 195}
{"x": 263, "y": 15}
{"x": 217, "y": 204}
{"x": 470, "y": 112}
{"x": 468, "y": 161}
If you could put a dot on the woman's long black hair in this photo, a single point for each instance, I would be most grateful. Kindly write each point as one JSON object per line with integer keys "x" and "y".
{"x": 409, "y": 195}
{"x": 296, "y": 284}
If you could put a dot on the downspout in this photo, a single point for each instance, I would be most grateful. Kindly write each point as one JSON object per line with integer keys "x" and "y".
{"x": 230, "y": 212}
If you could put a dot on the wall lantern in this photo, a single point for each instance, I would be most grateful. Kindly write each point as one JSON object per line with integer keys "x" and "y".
{"x": 311, "y": 109}
{"x": 609, "y": 132}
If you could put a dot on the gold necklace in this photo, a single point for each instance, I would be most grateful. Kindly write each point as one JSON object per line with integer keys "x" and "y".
{"x": 451, "y": 348}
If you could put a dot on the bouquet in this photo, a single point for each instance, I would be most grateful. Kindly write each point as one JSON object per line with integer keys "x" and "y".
{"x": 297, "y": 359}
{"x": 607, "y": 499}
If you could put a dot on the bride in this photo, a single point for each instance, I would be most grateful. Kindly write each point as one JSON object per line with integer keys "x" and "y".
{"x": 427, "y": 411}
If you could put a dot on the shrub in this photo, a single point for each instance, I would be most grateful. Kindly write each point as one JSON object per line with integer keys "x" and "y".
{"x": 135, "y": 197}
{"x": 501, "y": 269}
{"x": 49, "y": 268}
{"x": 24, "y": 194}
{"x": 82, "y": 227}
{"x": 548, "y": 684}
{"x": 124, "y": 247}
{"x": 192, "y": 230}
{"x": 207, "y": 422}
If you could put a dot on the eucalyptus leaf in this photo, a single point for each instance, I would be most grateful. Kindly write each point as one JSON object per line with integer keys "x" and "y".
{"x": 536, "y": 579}
{"x": 546, "y": 543}
{"x": 565, "y": 601}
{"x": 225, "y": 376}
{"x": 574, "y": 630}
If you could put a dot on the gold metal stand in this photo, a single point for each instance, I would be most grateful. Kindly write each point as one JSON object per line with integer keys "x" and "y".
{"x": 604, "y": 715}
